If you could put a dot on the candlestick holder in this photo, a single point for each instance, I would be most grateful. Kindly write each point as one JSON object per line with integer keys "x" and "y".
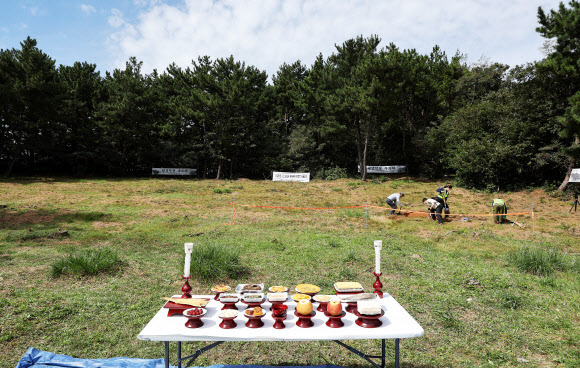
{"x": 186, "y": 289}
{"x": 378, "y": 285}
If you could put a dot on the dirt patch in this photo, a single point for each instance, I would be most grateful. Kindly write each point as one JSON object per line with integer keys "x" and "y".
{"x": 15, "y": 219}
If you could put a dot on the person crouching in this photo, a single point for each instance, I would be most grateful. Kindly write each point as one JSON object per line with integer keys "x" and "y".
{"x": 436, "y": 207}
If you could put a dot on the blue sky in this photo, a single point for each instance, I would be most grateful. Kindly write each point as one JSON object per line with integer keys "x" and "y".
{"x": 267, "y": 33}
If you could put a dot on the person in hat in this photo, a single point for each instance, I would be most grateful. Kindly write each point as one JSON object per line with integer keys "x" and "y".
{"x": 393, "y": 200}
{"x": 435, "y": 207}
{"x": 443, "y": 196}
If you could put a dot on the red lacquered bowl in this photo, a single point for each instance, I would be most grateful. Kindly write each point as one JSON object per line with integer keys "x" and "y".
{"x": 367, "y": 321}
{"x": 304, "y": 321}
{"x": 254, "y": 321}
{"x": 194, "y": 321}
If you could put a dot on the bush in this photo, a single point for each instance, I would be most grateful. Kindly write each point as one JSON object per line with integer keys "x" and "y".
{"x": 217, "y": 262}
{"x": 537, "y": 261}
{"x": 332, "y": 173}
{"x": 87, "y": 263}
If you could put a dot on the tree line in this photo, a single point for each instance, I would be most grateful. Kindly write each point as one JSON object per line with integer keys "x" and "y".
{"x": 488, "y": 125}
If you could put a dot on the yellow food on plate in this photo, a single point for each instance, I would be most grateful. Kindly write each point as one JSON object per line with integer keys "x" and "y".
{"x": 348, "y": 286}
{"x": 278, "y": 289}
{"x": 220, "y": 288}
{"x": 189, "y": 301}
{"x": 298, "y": 297}
{"x": 307, "y": 288}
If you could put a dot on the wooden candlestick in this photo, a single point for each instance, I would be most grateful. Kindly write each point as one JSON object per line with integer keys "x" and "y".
{"x": 186, "y": 289}
{"x": 378, "y": 286}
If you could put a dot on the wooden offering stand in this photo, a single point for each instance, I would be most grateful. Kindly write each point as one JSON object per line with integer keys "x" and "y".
{"x": 252, "y": 304}
{"x": 369, "y": 321}
{"x": 279, "y": 324}
{"x": 228, "y": 322}
{"x": 279, "y": 314}
{"x": 335, "y": 321}
{"x": 194, "y": 321}
{"x": 322, "y": 306}
{"x": 254, "y": 321}
{"x": 351, "y": 307}
{"x": 276, "y": 303}
{"x": 304, "y": 321}
{"x": 229, "y": 305}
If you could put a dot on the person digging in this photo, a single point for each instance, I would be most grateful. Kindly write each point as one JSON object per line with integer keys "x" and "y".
{"x": 435, "y": 207}
{"x": 499, "y": 210}
{"x": 393, "y": 200}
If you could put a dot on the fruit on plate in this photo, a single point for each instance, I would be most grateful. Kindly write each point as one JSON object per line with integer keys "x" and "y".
{"x": 194, "y": 311}
{"x": 304, "y": 307}
{"x": 307, "y": 288}
{"x": 334, "y": 307}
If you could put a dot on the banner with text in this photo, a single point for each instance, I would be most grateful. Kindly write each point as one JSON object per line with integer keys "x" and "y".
{"x": 173, "y": 171}
{"x": 286, "y": 176}
{"x": 397, "y": 169}
{"x": 575, "y": 176}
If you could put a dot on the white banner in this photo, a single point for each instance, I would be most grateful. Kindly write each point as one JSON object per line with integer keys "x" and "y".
{"x": 575, "y": 176}
{"x": 173, "y": 171}
{"x": 286, "y": 176}
{"x": 397, "y": 169}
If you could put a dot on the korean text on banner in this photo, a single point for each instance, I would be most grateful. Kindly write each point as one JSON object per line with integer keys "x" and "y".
{"x": 286, "y": 176}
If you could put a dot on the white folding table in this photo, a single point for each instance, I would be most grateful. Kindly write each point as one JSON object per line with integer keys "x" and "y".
{"x": 396, "y": 324}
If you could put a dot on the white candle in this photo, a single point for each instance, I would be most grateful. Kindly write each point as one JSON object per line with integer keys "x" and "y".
{"x": 186, "y": 268}
{"x": 378, "y": 247}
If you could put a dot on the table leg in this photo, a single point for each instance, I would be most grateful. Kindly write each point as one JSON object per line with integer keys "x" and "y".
{"x": 179, "y": 354}
{"x": 166, "y": 354}
{"x": 383, "y": 355}
{"x": 396, "y": 353}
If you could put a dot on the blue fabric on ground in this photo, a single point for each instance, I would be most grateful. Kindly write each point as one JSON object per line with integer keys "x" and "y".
{"x": 34, "y": 358}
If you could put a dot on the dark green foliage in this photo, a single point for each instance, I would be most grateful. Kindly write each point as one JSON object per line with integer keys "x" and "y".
{"x": 491, "y": 126}
{"x": 87, "y": 263}
{"x": 217, "y": 262}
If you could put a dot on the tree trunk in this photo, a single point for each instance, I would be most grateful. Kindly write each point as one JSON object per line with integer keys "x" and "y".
{"x": 366, "y": 146}
{"x": 8, "y": 171}
{"x": 564, "y": 184}
{"x": 221, "y": 164}
{"x": 363, "y": 167}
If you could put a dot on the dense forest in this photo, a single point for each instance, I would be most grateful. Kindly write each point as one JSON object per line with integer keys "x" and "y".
{"x": 488, "y": 125}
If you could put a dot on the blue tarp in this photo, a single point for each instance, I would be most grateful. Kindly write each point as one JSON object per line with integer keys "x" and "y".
{"x": 34, "y": 358}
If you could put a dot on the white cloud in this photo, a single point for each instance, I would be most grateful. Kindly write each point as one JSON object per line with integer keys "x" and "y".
{"x": 88, "y": 9}
{"x": 267, "y": 33}
{"x": 116, "y": 21}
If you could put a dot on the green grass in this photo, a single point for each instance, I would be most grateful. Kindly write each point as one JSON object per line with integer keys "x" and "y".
{"x": 538, "y": 261}
{"x": 89, "y": 262}
{"x": 212, "y": 262}
{"x": 459, "y": 281}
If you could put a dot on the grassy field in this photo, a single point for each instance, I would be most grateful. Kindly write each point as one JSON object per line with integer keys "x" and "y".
{"x": 460, "y": 281}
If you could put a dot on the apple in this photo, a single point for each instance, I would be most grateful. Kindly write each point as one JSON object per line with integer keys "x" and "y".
{"x": 334, "y": 307}
{"x": 304, "y": 307}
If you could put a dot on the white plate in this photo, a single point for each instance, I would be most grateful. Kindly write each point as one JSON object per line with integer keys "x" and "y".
{"x": 283, "y": 296}
{"x": 253, "y": 300}
{"x": 240, "y": 287}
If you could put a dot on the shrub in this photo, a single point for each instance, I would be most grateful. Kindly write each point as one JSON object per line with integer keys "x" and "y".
{"x": 217, "y": 262}
{"x": 87, "y": 263}
{"x": 332, "y": 173}
{"x": 221, "y": 191}
{"x": 537, "y": 261}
